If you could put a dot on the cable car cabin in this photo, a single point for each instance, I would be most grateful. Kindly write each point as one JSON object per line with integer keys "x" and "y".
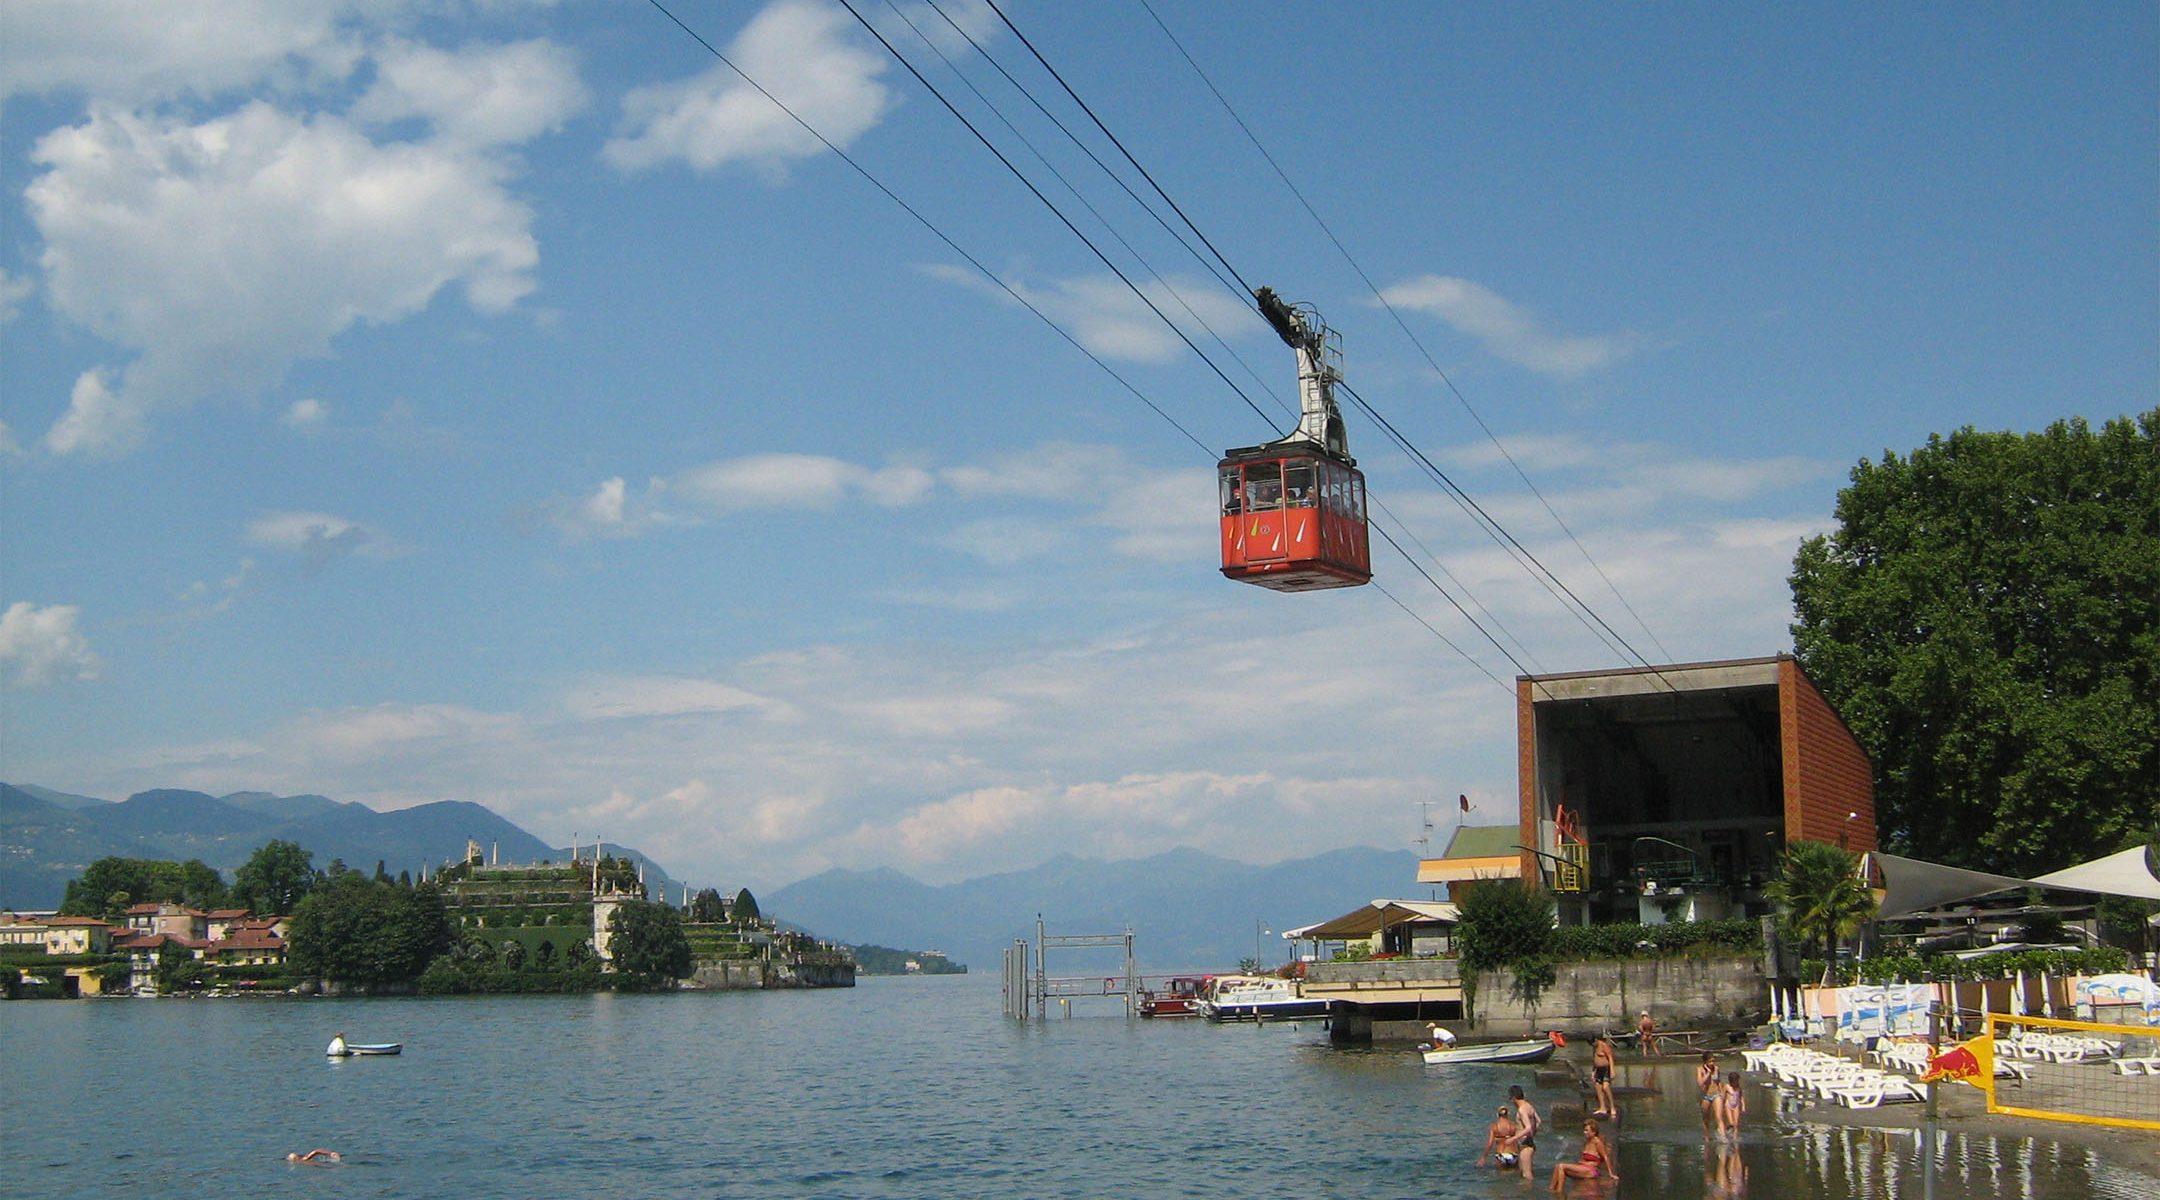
{"x": 1293, "y": 519}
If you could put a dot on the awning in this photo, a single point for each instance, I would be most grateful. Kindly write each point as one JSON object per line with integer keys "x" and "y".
{"x": 2124, "y": 873}
{"x": 1372, "y": 918}
{"x": 1910, "y": 885}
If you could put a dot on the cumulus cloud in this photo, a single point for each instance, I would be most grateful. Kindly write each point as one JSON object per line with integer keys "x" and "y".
{"x": 40, "y": 647}
{"x": 757, "y": 481}
{"x": 208, "y": 598}
{"x": 1507, "y": 330}
{"x": 806, "y": 54}
{"x": 306, "y": 414}
{"x": 224, "y": 251}
{"x": 666, "y": 696}
{"x": 319, "y": 538}
{"x": 135, "y": 52}
{"x": 481, "y": 95}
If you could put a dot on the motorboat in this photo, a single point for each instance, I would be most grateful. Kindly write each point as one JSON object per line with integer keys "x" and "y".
{"x": 1175, "y": 998}
{"x": 1529, "y": 1050}
{"x": 1256, "y": 998}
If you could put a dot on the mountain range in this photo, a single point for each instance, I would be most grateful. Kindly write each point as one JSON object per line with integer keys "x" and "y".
{"x": 48, "y": 837}
{"x": 1188, "y": 910}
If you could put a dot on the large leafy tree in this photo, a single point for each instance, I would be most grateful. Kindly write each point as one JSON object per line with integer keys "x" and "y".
{"x": 354, "y": 929}
{"x": 274, "y": 878}
{"x": 1986, "y": 618}
{"x": 109, "y": 885}
{"x": 647, "y": 942}
{"x": 1821, "y": 896}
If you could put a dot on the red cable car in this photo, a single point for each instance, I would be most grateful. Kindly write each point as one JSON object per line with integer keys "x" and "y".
{"x": 1293, "y": 510}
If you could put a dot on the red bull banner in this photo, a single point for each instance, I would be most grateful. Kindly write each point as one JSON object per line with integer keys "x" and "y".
{"x": 1967, "y": 1061}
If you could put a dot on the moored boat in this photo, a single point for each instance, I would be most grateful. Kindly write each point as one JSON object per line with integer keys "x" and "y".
{"x": 1175, "y": 998}
{"x": 340, "y": 1048}
{"x": 1256, "y": 998}
{"x": 1535, "y": 1050}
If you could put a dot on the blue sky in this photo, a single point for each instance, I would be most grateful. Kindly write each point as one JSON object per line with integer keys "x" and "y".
{"x": 495, "y": 401}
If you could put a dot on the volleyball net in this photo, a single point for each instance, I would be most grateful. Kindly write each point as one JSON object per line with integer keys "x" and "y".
{"x": 2088, "y": 1072}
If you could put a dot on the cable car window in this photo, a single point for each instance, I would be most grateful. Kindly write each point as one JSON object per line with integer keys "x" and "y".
{"x": 1298, "y": 484}
{"x": 1230, "y": 505}
{"x": 1357, "y": 497}
{"x": 1334, "y": 488}
{"x": 1263, "y": 486}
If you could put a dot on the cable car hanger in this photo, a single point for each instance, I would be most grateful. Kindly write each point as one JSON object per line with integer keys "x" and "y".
{"x": 1293, "y": 510}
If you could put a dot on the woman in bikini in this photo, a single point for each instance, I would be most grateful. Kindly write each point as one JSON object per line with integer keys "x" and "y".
{"x": 1500, "y": 1139}
{"x": 1706, "y": 1082}
{"x": 1595, "y": 1164}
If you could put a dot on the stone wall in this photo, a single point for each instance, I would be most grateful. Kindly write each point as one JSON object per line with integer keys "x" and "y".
{"x": 749, "y": 974}
{"x": 1680, "y": 993}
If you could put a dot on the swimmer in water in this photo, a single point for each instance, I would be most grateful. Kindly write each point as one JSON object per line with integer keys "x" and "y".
{"x": 315, "y": 1155}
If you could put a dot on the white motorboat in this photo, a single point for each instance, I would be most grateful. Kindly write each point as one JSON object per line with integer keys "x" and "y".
{"x": 1535, "y": 1050}
{"x": 1256, "y": 998}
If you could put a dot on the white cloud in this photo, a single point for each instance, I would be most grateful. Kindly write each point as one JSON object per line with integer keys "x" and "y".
{"x": 306, "y": 414}
{"x": 806, "y": 54}
{"x": 1506, "y": 329}
{"x": 666, "y": 696}
{"x": 135, "y": 52}
{"x": 13, "y": 291}
{"x": 479, "y": 96}
{"x": 97, "y": 423}
{"x": 9, "y": 447}
{"x": 40, "y": 647}
{"x": 757, "y": 481}
{"x": 222, "y": 252}
{"x": 204, "y": 598}
{"x": 319, "y": 538}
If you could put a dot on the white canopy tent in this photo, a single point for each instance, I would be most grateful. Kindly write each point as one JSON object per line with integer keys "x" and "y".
{"x": 2124, "y": 873}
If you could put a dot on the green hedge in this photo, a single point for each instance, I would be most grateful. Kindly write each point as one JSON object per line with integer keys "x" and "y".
{"x": 446, "y": 978}
{"x": 1578, "y": 942}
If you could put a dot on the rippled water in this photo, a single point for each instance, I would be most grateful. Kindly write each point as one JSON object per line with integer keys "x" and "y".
{"x": 900, "y": 1087}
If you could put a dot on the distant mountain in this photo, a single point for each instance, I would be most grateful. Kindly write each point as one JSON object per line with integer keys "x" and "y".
{"x": 1187, "y": 909}
{"x": 63, "y": 799}
{"x": 45, "y": 842}
{"x": 270, "y": 804}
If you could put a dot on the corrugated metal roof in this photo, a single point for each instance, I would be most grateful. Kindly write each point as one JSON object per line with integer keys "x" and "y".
{"x": 1484, "y": 841}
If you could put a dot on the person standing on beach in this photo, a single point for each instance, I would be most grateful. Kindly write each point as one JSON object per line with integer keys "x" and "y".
{"x": 1601, "y": 1073}
{"x": 1706, "y": 1083}
{"x": 1730, "y": 1105}
{"x": 1526, "y": 1116}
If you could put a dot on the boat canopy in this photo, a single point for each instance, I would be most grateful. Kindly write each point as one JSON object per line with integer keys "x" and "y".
{"x": 1372, "y": 918}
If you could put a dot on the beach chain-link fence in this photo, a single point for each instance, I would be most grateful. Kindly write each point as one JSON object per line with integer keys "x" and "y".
{"x": 2087, "y": 1072}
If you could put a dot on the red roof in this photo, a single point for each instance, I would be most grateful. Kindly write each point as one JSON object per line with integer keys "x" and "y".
{"x": 227, "y": 914}
{"x": 71, "y": 921}
{"x": 249, "y": 939}
{"x": 146, "y": 909}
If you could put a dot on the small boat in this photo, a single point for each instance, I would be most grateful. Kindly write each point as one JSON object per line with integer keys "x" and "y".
{"x": 1256, "y": 998}
{"x": 340, "y": 1048}
{"x": 1176, "y": 999}
{"x": 1527, "y": 1051}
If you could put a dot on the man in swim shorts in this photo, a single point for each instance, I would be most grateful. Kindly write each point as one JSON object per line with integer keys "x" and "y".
{"x": 1601, "y": 1073}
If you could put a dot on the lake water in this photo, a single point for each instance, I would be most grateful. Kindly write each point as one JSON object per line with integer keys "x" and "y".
{"x": 899, "y": 1087}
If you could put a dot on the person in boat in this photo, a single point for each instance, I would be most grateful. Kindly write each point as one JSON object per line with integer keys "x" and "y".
{"x": 317, "y": 1155}
{"x": 1526, "y": 1116}
{"x": 1601, "y": 1073}
{"x": 1595, "y": 1164}
{"x": 1442, "y": 1037}
{"x": 338, "y": 1049}
{"x": 1706, "y": 1082}
{"x": 1730, "y": 1105}
{"x": 1500, "y": 1139}
{"x": 1646, "y": 1034}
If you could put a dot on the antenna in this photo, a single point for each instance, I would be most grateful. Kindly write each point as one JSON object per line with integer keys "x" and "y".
{"x": 1425, "y": 839}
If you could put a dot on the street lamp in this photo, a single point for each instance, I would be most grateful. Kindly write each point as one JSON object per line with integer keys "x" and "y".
{"x": 1260, "y": 935}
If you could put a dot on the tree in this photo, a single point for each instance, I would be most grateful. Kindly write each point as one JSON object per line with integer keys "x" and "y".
{"x": 274, "y": 878}
{"x": 647, "y": 942}
{"x": 178, "y": 970}
{"x": 352, "y": 929}
{"x": 1503, "y": 924}
{"x": 1986, "y": 619}
{"x": 108, "y": 886}
{"x": 707, "y": 907}
{"x": 745, "y": 909}
{"x": 1822, "y": 895}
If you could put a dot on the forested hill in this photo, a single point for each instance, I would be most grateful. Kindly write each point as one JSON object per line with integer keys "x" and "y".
{"x": 1187, "y": 909}
{"x": 47, "y": 837}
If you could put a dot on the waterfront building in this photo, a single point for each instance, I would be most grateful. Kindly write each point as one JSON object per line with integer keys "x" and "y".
{"x": 1666, "y": 793}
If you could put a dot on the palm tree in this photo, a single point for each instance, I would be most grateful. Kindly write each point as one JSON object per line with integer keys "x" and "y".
{"x": 1824, "y": 898}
